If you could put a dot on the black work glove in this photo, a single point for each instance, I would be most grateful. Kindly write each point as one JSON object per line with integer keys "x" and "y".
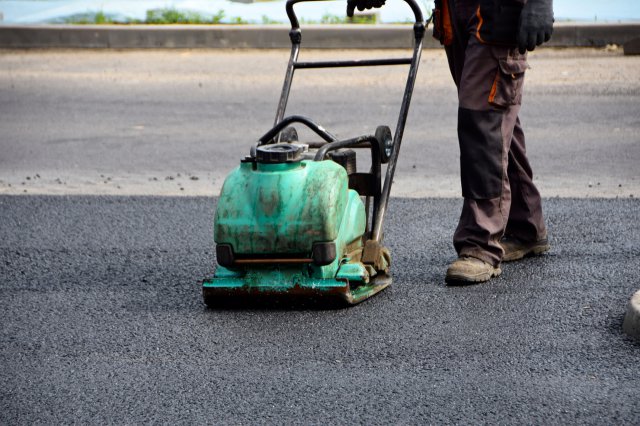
{"x": 362, "y": 5}
{"x": 536, "y": 24}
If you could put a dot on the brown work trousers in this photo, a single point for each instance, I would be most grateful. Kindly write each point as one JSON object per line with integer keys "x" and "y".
{"x": 497, "y": 182}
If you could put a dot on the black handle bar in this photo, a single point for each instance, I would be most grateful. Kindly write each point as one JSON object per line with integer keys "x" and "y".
{"x": 320, "y": 131}
{"x": 295, "y": 25}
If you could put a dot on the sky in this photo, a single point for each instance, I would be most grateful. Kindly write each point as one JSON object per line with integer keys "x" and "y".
{"x": 43, "y": 11}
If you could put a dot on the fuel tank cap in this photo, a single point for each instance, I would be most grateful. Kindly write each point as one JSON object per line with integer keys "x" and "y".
{"x": 279, "y": 153}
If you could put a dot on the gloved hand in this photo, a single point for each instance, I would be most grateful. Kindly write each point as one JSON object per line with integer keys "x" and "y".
{"x": 536, "y": 24}
{"x": 362, "y": 5}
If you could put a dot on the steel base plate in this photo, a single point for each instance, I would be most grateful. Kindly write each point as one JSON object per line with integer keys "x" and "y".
{"x": 329, "y": 293}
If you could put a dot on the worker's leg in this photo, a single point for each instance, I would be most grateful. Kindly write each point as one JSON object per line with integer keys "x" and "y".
{"x": 526, "y": 221}
{"x": 490, "y": 92}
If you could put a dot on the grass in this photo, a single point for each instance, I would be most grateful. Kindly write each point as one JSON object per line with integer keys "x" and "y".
{"x": 90, "y": 18}
{"x": 174, "y": 16}
{"x": 371, "y": 18}
{"x": 168, "y": 16}
{"x": 164, "y": 16}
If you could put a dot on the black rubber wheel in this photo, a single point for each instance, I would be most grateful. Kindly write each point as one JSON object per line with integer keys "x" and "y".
{"x": 385, "y": 142}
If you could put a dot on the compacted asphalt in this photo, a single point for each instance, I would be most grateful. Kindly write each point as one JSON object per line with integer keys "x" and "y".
{"x": 103, "y": 322}
{"x": 101, "y": 313}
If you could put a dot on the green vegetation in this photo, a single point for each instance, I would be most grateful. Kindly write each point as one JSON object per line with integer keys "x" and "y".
{"x": 174, "y": 16}
{"x": 268, "y": 21}
{"x": 90, "y": 18}
{"x": 101, "y": 18}
{"x": 164, "y": 16}
{"x": 170, "y": 15}
{"x": 238, "y": 21}
{"x": 357, "y": 19}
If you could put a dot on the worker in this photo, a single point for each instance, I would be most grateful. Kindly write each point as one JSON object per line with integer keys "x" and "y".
{"x": 486, "y": 42}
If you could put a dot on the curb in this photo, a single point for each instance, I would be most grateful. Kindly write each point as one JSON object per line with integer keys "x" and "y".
{"x": 632, "y": 47}
{"x": 269, "y": 36}
{"x": 631, "y": 324}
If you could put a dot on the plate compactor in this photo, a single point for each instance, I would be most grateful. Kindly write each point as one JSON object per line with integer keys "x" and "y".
{"x": 297, "y": 221}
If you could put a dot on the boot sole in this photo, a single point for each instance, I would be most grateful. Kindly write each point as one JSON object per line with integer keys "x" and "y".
{"x": 477, "y": 278}
{"x": 525, "y": 252}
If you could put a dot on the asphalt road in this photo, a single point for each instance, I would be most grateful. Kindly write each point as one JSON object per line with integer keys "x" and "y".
{"x": 103, "y": 322}
{"x": 101, "y": 317}
{"x": 152, "y": 122}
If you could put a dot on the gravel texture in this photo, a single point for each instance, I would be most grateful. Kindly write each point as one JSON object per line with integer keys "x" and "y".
{"x": 103, "y": 322}
{"x": 144, "y": 122}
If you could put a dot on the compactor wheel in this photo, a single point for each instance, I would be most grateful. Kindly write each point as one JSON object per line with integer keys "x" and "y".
{"x": 385, "y": 141}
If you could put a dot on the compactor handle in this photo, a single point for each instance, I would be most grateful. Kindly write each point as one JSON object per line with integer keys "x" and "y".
{"x": 295, "y": 25}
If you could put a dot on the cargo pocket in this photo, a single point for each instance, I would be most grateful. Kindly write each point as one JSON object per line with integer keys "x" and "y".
{"x": 507, "y": 85}
{"x": 480, "y": 139}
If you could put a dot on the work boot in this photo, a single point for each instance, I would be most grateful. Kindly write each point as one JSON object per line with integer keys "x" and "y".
{"x": 516, "y": 249}
{"x": 467, "y": 269}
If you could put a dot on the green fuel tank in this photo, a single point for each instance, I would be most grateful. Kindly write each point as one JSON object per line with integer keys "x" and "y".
{"x": 284, "y": 208}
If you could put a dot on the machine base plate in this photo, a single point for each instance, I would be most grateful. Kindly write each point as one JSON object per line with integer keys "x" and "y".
{"x": 237, "y": 292}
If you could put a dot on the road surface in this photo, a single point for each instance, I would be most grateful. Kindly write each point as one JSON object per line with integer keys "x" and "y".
{"x": 101, "y": 314}
{"x": 152, "y": 122}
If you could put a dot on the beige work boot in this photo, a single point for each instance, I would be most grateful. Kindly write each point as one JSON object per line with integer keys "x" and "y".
{"x": 470, "y": 270}
{"x": 516, "y": 249}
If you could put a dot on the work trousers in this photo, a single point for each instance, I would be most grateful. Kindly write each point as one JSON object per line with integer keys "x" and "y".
{"x": 500, "y": 197}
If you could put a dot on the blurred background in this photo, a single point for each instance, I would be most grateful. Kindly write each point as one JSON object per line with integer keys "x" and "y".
{"x": 259, "y": 12}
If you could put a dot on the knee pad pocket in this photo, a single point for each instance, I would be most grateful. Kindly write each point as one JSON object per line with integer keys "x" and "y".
{"x": 480, "y": 138}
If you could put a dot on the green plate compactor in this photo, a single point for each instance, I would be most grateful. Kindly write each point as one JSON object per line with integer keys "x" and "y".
{"x": 298, "y": 221}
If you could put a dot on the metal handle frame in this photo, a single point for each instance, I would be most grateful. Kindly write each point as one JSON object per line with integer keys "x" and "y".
{"x": 319, "y": 130}
{"x": 296, "y": 38}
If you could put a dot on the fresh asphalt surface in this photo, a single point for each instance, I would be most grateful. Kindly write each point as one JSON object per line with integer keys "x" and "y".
{"x": 103, "y": 322}
{"x": 101, "y": 317}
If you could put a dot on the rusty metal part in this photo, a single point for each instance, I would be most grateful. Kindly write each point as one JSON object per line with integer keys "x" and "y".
{"x": 377, "y": 255}
{"x": 282, "y": 261}
{"x": 296, "y": 297}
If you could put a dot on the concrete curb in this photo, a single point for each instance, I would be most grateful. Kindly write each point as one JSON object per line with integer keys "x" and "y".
{"x": 632, "y": 47}
{"x": 269, "y": 36}
{"x": 631, "y": 324}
